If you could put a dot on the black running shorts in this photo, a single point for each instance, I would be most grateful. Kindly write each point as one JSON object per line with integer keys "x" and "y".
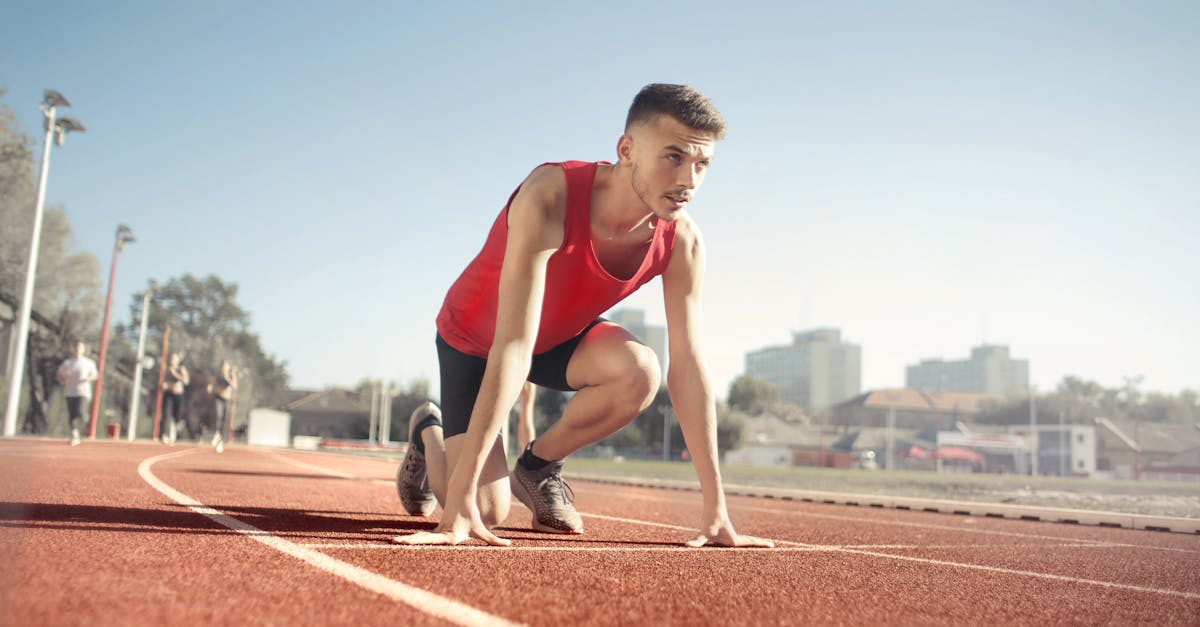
{"x": 462, "y": 375}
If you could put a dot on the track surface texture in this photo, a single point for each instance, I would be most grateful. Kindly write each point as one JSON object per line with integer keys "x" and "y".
{"x": 111, "y": 533}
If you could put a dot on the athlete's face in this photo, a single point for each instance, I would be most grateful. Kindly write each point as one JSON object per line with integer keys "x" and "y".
{"x": 669, "y": 160}
{"x": 80, "y": 349}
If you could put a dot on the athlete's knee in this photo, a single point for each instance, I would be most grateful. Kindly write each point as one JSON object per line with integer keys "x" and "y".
{"x": 641, "y": 379}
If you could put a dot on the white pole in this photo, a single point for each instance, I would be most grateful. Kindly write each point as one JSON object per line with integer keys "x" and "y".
{"x": 1064, "y": 444}
{"x": 372, "y": 420}
{"x": 666, "y": 452}
{"x": 890, "y": 440}
{"x": 385, "y": 416}
{"x": 1033, "y": 432}
{"x": 16, "y": 360}
{"x": 136, "y": 395}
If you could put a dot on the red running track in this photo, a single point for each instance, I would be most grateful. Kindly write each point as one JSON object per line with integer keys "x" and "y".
{"x": 141, "y": 534}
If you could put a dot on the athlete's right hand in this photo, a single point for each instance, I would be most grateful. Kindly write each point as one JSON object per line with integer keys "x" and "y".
{"x": 456, "y": 527}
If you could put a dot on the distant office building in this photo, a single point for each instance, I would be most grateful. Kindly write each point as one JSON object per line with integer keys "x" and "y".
{"x": 990, "y": 370}
{"x": 816, "y": 371}
{"x": 634, "y": 321}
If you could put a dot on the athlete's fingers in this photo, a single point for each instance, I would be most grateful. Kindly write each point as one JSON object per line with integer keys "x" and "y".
{"x": 425, "y": 537}
{"x": 491, "y": 538}
{"x": 698, "y": 541}
{"x": 745, "y": 541}
{"x": 735, "y": 541}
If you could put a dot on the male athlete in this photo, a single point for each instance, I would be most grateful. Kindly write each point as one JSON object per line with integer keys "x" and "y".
{"x": 573, "y": 240}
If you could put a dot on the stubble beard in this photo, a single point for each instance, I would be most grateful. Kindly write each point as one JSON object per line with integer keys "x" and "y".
{"x": 645, "y": 195}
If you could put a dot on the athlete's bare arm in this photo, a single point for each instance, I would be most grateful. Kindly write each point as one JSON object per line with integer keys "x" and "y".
{"x": 536, "y": 221}
{"x": 687, "y": 381}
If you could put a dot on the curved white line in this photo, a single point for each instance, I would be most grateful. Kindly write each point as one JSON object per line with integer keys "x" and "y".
{"x": 428, "y": 602}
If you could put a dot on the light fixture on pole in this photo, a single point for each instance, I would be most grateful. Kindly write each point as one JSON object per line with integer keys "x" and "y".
{"x": 57, "y": 130}
{"x": 124, "y": 236}
{"x": 143, "y": 361}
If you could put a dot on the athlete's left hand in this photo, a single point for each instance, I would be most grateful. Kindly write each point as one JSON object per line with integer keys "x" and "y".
{"x": 718, "y": 531}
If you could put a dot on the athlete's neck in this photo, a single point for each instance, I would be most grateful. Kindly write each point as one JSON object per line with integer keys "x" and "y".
{"x": 616, "y": 210}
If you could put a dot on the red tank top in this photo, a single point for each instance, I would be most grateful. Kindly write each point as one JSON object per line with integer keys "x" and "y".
{"x": 578, "y": 288}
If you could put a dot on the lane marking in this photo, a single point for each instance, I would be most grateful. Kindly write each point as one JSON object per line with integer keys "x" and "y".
{"x": 330, "y": 471}
{"x": 1027, "y": 573}
{"x": 814, "y": 548}
{"x": 306, "y": 466}
{"x": 919, "y": 560}
{"x": 672, "y": 499}
{"x": 423, "y": 600}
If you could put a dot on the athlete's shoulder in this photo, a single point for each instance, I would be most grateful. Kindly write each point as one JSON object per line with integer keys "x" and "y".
{"x": 546, "y": 180}
{"x": 543, "y": 193}
{"x": 687, "y": 232}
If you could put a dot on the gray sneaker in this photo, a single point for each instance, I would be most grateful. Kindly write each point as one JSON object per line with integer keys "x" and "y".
{"x": 412, "y": 481}
{"x": 549, "y": 498}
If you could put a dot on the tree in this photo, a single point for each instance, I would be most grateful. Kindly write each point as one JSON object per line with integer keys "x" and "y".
{"x": 731, "y": 429}
{"x": 548, "y": 407}
{"x": 752, "y": 395}
{"x": 403, "y": 404}
{"x": 209, "y": 326}
{"x": 1080, "y": 401}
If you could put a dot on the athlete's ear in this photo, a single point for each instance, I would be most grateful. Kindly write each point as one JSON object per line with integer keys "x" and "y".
{"x": 625, "y": 150}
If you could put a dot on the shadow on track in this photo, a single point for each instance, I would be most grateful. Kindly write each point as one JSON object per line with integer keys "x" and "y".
{"x": 178, "y": 519}
{"x": 274, "y": 475}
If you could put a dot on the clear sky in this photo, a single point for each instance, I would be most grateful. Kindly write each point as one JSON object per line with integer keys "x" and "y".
{"x": 925, "y": 176}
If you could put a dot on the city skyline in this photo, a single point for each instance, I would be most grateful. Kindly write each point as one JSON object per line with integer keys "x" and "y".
{"x": 925, "y": 177}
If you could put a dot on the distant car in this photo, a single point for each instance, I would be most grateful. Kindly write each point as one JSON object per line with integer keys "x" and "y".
{"x": 864, "y": 460}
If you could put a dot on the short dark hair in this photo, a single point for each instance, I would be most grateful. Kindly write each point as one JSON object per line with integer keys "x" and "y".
{"x": 682, "y": 102}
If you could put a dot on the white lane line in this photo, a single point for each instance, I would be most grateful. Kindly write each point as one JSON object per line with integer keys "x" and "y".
{"x": 634, "y": 521}
{"x": 901, "y": 523}
{"x": 363, "y": 546}
{"x": 922, "y": 560}
{"x": 994, "y": 569}
{"x": 329, "y": 471}
{"x": 428, "y": 602}
{"x": 320, "y": 469}
{"x": 1027, "y": 573}
{"x": 814, "y": 548}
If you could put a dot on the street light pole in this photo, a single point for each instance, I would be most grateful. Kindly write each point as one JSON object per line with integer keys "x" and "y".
{"x": 56, "y": 130}
{"x": 1033, "y": 432}
{"x": 136, "y": 395}
{"x": 124, "y": 235}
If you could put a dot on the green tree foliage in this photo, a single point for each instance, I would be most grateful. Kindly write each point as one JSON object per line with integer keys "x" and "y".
{"x": 752, "y": 395}
{"x": 1081, "y": 401}
{"x": 644, "y": 436}
{"x": 548, "y": 406}
{"x": 403, "y": 403}
{"x": 208, "y": 326}
{"x": 66, "y": 295}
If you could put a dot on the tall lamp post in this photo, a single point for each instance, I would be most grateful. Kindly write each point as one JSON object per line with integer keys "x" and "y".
{"x": 57, "y": 130}
{"x": 142, "y": 359}
{"x": 124, "y": 236}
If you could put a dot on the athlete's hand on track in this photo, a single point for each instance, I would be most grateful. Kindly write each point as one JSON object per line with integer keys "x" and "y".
{"x": 718, "y": 531}
{"x": 455, "y": 528}
{"x": 730, "y": 539}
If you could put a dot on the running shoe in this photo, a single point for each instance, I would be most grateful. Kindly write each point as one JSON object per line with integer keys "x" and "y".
{"x": 75, "y": 439}
{"x": 412, "y": 480}
{"x": 220, "y": 445}
{"x": 549, "y": 498}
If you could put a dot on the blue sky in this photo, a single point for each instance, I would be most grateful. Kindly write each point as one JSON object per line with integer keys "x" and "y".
{"x": 924, "y": 176}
